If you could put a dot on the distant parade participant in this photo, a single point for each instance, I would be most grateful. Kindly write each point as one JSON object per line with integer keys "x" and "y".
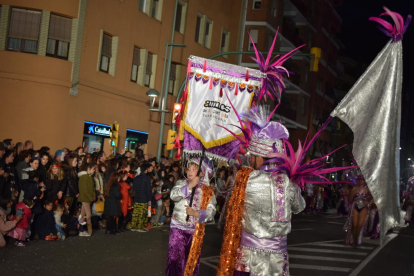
{"x": 343, "y": 203}
{"x": 357, "y": 222}
{"x": 409, "y": 203}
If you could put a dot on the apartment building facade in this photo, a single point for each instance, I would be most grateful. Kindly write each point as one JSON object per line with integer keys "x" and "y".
{"x": 70, "y": 70}
{"x": 309, "y": 96}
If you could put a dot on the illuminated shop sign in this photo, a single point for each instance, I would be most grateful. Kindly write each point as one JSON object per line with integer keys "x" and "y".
{"x": 92, "y": 128}
{"x": 137, "y": 136}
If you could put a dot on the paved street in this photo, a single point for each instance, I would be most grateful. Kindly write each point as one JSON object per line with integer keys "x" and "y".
{"x": 315, "y": 248}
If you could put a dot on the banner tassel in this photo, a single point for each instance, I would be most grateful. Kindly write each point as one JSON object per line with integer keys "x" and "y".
{"x": 236, "y": 92}
{"x": 247, "y": 75}
{"x": 205, "y": 66}
{"x": 221, "y": 92}
{"x": 211, "y": 83}
{"x": 189, "y": 67}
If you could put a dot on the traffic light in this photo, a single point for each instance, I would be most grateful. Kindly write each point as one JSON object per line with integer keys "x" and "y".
{"x": 176, "y": 112}
{"x": 114, "y": 135}
{"x": 315, "y": 59}
{"x": 172, "y": 136}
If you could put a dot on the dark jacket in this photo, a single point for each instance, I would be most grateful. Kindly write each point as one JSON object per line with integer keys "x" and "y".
{"x": 53, "y": 187}
{"x": 42, "y": 170}
{"x": 72, "y": 182}
{"x": 32, "y": 190}
{"x": 113, "y": 202}
{"x": 45, "y": 224}
{"x": 142, "y": 188}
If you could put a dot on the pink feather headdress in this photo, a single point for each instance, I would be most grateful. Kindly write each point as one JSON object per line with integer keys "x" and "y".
{"x": 396, "y": 31}
{"x": 273, "y": 84}
{"x": 300, "y": 171}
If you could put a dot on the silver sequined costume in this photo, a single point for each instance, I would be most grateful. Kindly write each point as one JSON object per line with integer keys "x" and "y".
{"x": 269, "y": 204}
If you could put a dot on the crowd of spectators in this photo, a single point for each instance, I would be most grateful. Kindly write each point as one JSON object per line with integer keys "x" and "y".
{"x": 52, "y": 196}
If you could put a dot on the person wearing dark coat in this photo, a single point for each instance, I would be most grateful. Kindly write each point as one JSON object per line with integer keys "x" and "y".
{"x": 45, "y": 226}
{"x": 112, "y": 208}
{"x": 43, "y": 167}
{"x": 55, "y": 183}
{"x": 142, "y": 199}
{"x": 72, "y": 183}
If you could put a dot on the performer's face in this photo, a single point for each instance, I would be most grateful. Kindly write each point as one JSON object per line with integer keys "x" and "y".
{"x": 192, "y": 171}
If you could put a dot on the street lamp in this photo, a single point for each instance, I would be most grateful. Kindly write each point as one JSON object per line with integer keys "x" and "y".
{"x": 152, "y": 93}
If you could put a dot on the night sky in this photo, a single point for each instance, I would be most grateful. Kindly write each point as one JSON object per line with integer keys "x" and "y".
{"x": 362, "y": 39}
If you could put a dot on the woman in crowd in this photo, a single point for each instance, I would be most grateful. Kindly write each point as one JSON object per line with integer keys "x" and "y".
{"x": 43, "y": 166}
{"x": 112, "y": 209}
{"x": 55, "y": 183}
{"x": 126, "y": 203}
{"x": 33, "y": 166}
{"x": 72, "y": 185}
{"x": 87, "y": 195}
{"x": 361, "y": 199}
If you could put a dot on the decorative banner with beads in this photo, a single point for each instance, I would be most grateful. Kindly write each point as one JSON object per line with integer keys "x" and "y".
{"x": 212, "y": 88}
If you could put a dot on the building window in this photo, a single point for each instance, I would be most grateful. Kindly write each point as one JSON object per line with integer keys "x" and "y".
{"x": 142, "y": 4}
{"x": 154, "y": 8}
{"x": 148, "y": 72}
{"x": 225, "y": 41}
{"x": 24, "y": 30}
{"x": 207, "y": 33}
{"x": 254, "y": 35}
{"x": 106, "y": 53}
{"x": 198, "y": 29}
{"x": 136, "y": 62}
{"x": 274, "y": 10}
{"x": 60, "y": 31}
{"x": 151, "y": 7}
{"x": 180, "y": 18}
{"x": 173, "y": 76}
{"x": 257, "y": 4}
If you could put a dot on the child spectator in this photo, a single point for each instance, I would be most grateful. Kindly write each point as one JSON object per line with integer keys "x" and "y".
{"x": 21, "y": 232}
{"x": 113, "y": 198}
{"x": 158, "y": 203}
{"x": 5, "y": 225}
{"x": 60, "y": 226}
{"x": 45, "y": 225}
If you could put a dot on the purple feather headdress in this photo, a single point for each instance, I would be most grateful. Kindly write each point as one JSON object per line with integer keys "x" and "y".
{"x": 273, "y": 84}
{"x": 396, "y": 31}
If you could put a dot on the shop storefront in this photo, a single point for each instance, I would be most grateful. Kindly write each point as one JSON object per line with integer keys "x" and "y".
{"x": 135, "y": 137}
{"x": 95, "y": 136}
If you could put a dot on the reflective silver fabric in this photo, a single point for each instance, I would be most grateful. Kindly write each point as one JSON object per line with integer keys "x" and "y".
{"x": 180, "y": 202}
{"x": 269, "y": 204}
{"x": 372, "y": 109}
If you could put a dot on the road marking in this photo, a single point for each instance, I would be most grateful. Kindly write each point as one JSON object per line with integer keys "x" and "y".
{"x": 344, "y": 246}
{"x": 303, "y": 229}
{"x": 308, "y": 243}
{"x": 371, "y": 256}
{"x": 327, "y": 251}
{"x": 317, "y": 267}
{"x": 320, "y": 258}
{"x": 336, "y": 223}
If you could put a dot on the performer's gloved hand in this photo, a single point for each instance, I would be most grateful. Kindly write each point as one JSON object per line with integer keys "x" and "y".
{"x": 191, "y": 212}
{"x": 194, "y": 182}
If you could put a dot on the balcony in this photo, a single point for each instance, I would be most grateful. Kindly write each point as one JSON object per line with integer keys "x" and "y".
{"x": 291, "y": 33}
{"x": 297, "y": 11}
